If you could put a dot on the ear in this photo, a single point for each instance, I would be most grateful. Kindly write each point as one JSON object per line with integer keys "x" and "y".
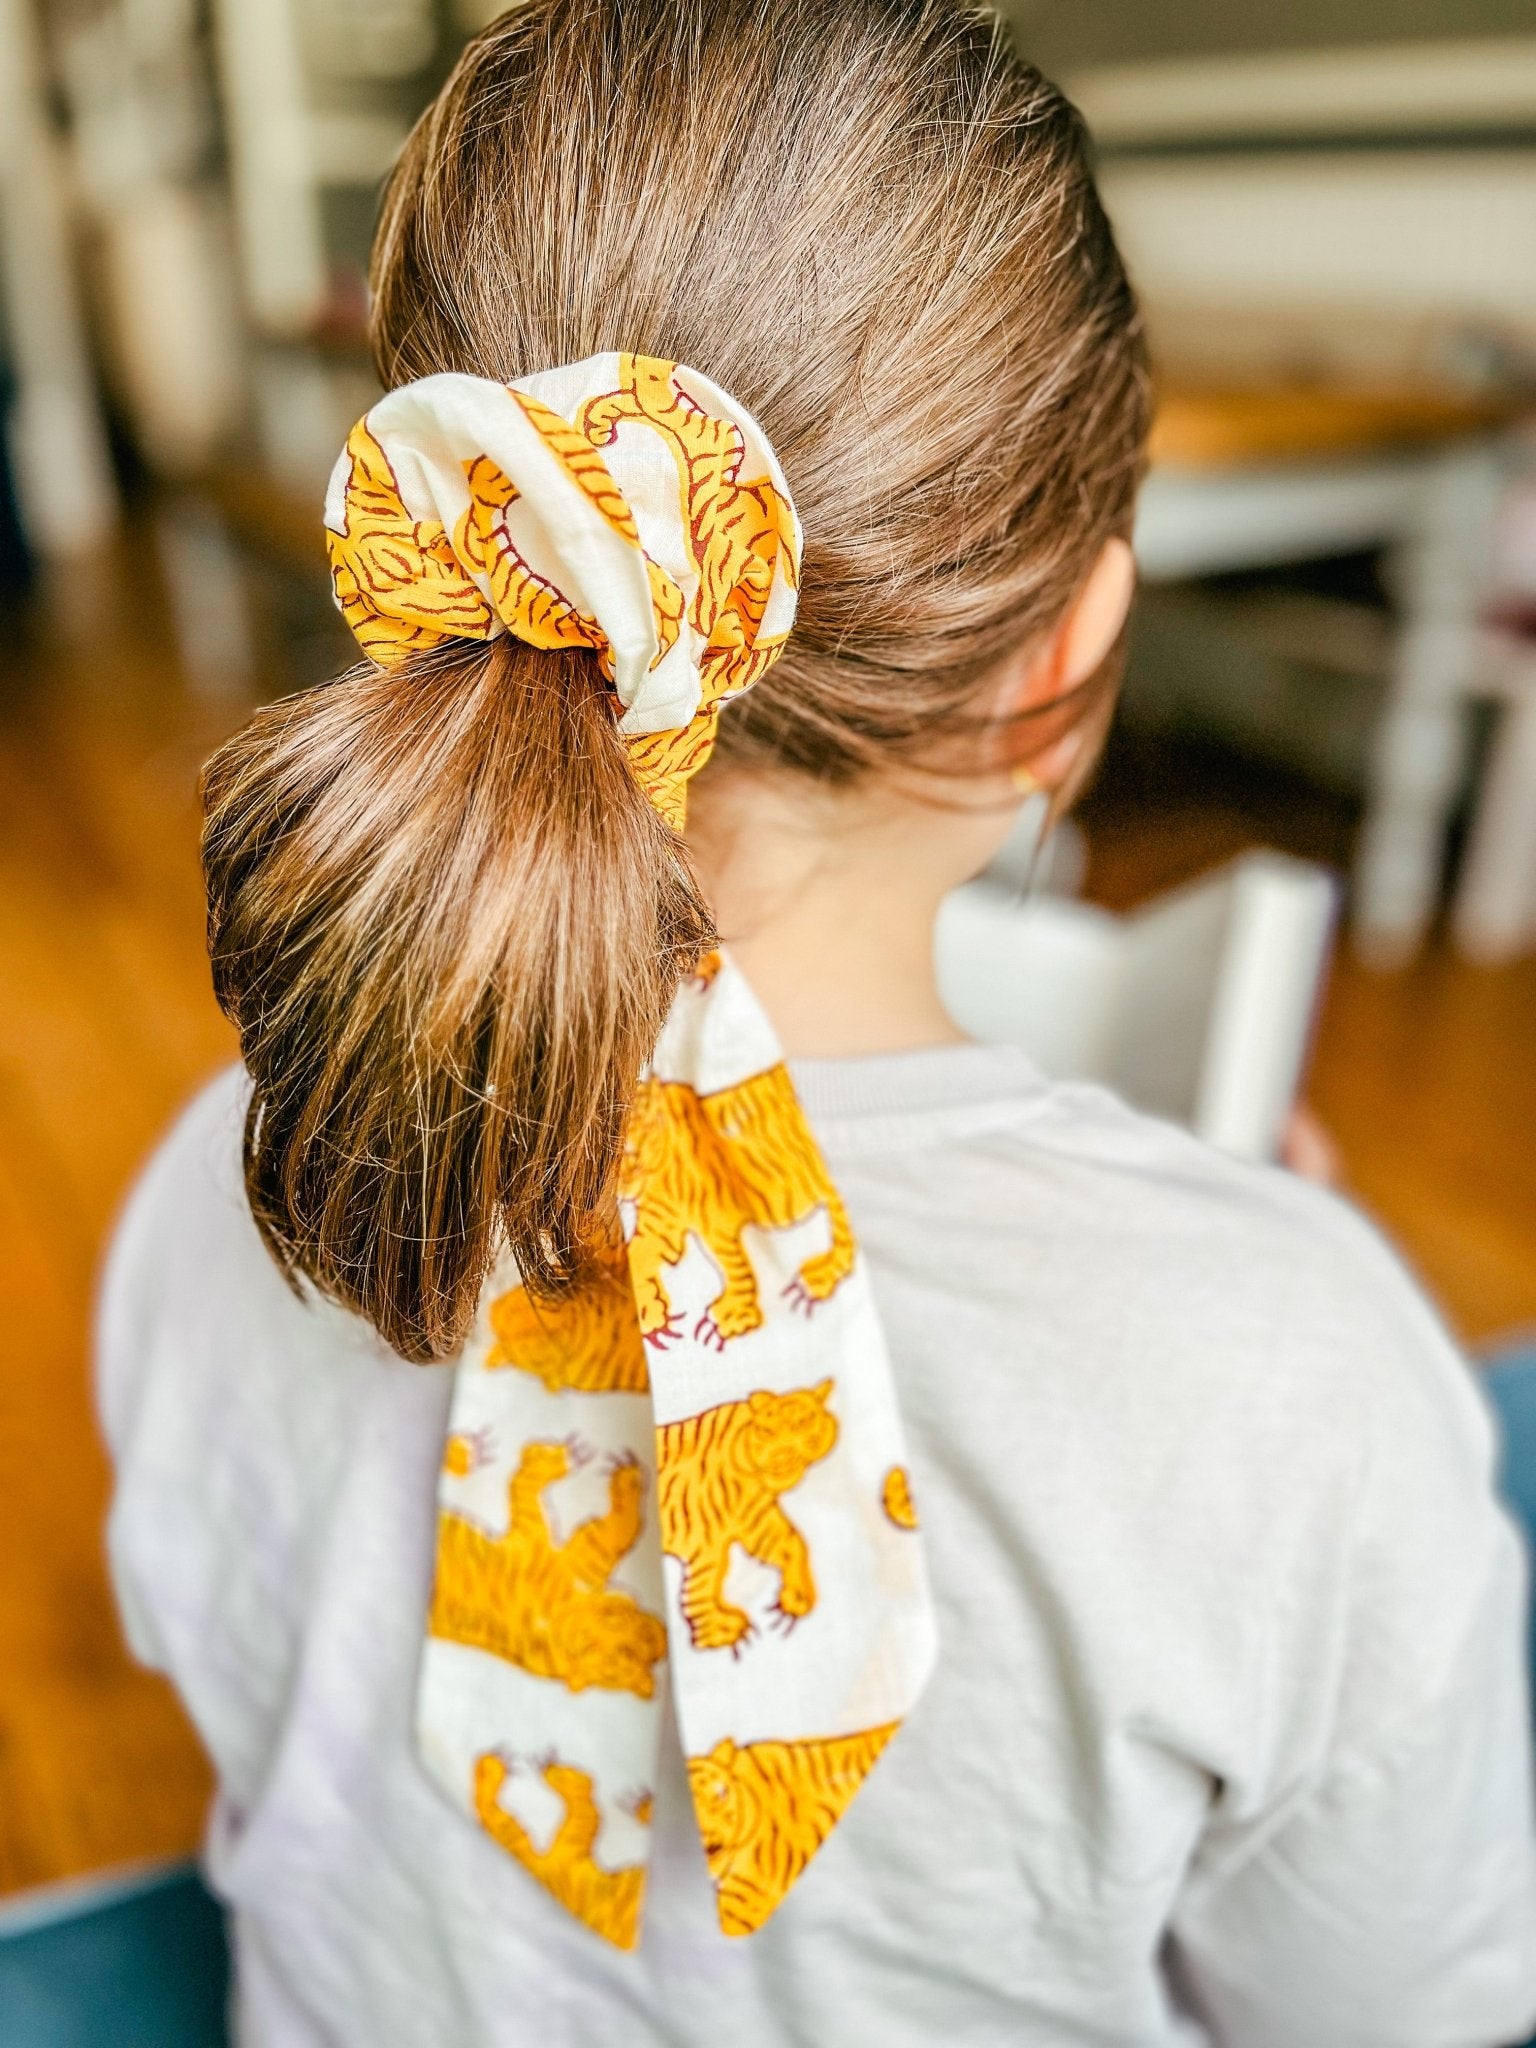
{"x": 822, "y": 1391}
{"x": 1095, "y": 618}
{"x": 723, "y": 1753}
{"x": 1074, "y": 648}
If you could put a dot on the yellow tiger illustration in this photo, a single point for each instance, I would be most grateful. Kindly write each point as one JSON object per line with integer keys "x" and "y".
{"x": 709, "y": 1165}
{"x": 404, "y": 584}
{"x": 607, "y": 1900}
{"x": 545, "y": 1606}
{"x": 738, "y": 528}
{"x": 530, "y": 605}
{"x": 579, "y": 458}
{"x": 398, "y": 582}
{"x": 588, "y": 1340}
{"x": 719, "y": 1478}
{"x": 466, "y": 1450}
{"x": 663, "y": 763}
{"x": 896, "y": 1498}
{"x": 765, "y": 1808}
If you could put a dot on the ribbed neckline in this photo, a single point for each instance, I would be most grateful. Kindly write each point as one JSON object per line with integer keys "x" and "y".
{"x": 936, "y": 1078}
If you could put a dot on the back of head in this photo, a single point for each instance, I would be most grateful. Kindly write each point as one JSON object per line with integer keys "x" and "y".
{"x": 443, "y": 915}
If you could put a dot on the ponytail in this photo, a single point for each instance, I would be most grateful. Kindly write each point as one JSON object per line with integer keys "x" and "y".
{"x": 448, "y": 926}
{"x": 444, "y": 916}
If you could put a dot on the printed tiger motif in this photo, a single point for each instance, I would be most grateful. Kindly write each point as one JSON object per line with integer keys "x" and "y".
{"x": 404, "y": 584}
{"x": 707, "y": 1166}
{"x": 720, "y": 1475}
{"x": 398, "y": 582}
{"x": 578, "y": 456}
{"x": 664, "y": 763}
{"x": 896, "y": 1498}
{"x": 607, "y": 1900}
{"x": 545, "y": 1606}
{"x": 765, "y": 1808}
{"x": 738, "y": 528}
{"x": 587, "y": 1341}
{"x": 466, "y": 1450}
{"x": 532, "y": 607}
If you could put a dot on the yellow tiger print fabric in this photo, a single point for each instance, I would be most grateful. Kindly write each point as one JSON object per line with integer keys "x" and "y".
{"x": 383, "y": 556}
{"x": 693, "y": 1457}
{"x": 722, "y": 1475}
{"x": 464, "y": 1450}
{"x": 896, "y": 1498}
{"x": 438, "y": 523}
{"x": 711, "y": 1167}
{"x": 543, "y": 1604}
{"x": 608, "y": 1900}
{"x": 765, "y": 1808}
{"x": 589, "y": 1341}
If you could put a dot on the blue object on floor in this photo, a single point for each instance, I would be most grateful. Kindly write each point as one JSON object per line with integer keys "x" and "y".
{"x": 139, "y": 1962}
{"x": 1510, "y": 1379}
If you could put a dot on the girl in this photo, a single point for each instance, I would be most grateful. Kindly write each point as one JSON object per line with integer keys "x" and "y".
{"x": 666, "y": 1545}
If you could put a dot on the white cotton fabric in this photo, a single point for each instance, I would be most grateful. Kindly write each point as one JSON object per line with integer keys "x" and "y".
{"x": 862, "y": 1654}
{"x": 1229, "y": 1737}
{"x": 432, "y": 429}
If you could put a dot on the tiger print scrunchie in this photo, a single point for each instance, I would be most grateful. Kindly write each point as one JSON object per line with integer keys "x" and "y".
{"x": 699, "y": 1458}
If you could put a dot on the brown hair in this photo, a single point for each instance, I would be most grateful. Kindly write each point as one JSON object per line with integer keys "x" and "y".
{"x": 442, "y": 914}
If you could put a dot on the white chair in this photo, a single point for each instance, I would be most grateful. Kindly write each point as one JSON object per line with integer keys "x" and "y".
{"x": 1397, "y": 267}
{"x": 1433, "y": 512}
{"x": 66, "y": 492}
{"x": 1495, "y": 917}
{"x": 1198, "y": 1007}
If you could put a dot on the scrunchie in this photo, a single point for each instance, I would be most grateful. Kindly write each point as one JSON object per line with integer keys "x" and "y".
{"x": 696, "y": 1460}
{"x": 620, "y": 504}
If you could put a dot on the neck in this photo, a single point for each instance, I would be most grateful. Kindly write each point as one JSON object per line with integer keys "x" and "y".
{"x": 827, "y": 902}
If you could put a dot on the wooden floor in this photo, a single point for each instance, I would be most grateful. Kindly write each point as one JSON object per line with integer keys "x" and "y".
{"x": 106, "y": 1023}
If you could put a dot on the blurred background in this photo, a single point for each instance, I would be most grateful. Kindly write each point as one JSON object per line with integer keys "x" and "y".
{"x": 1331, "y": 212}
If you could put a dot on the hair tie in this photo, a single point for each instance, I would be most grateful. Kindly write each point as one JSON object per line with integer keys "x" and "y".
{"x": 621, "y": 504}
{"x": 697, "y": 1458}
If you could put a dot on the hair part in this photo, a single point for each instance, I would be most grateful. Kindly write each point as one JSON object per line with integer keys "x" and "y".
{"x": 442, "y": 914}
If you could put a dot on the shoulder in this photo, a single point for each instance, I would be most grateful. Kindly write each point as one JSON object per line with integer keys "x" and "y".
{"x": 196, "y": 1327}
{"x": 1254, "y": 1250}
{"x": 1276, "y": 1428}
{"x": 1256, "y": 1343}
{"x": 185, "y": 1237}
{"x": 191, "y": 1183}
{"x": 1253, "y": 1275}
{"x": 1224, "y": 1343}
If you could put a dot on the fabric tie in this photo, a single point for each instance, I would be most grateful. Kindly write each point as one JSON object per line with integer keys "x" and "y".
{"x": 696, "y": 1459}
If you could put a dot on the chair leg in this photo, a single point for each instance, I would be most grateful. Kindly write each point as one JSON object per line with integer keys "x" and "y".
{"x": 210, "y": 610}
{"x": 1421, "y": 743}
{"x": 1495, "y": 916}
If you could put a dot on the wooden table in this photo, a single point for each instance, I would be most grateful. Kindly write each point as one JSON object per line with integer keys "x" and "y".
{"x": 1249, "y": 478}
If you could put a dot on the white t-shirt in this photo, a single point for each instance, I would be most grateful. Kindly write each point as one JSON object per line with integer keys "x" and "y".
{"x": 1229, "y": 1737}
